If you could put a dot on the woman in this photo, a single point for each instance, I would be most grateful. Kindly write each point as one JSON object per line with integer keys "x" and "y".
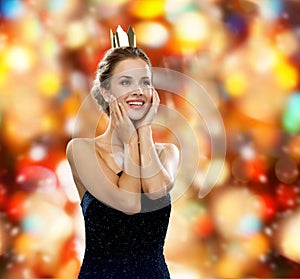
{"x": 122, "y": 176}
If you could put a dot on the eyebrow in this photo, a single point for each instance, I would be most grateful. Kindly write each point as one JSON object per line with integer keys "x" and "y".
{"x": 130, "y": 77}
{"x": 125, "y": 77}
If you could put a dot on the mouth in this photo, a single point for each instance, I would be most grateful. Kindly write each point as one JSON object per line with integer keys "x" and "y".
{"x": 136, "y": 104}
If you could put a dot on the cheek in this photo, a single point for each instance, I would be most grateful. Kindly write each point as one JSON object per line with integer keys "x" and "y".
{"x": 121, "y": 91}
{"x": 117, "y": 92}
{"x": 148, "y": 94}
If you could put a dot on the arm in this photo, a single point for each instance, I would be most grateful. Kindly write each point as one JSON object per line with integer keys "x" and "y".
{"x": 130, "y": 178}
{"x": 125, "y": 130}
{"x": 93, "y": 173}
{"x": 158, "y": 171}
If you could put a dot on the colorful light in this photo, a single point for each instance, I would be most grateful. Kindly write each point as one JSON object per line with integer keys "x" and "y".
{"x": 76, "y": 34}
{"x": 25, "y": 244}
{"x": 242, "y": 169}
{"x": 4, "y": 238}
{"x": 263, "y": 56}
{"x": 225, "y": 171}
{"x": 249, "y": 225}
{"x": 68, "y": 270}
{"x": 37, "y": 179}
{"x": 56, "y": 5}
{"x": 23, "y": 118}
{"x": 267, "y": 207}
{"x": 32, "y": 225}
{"x": 231, "y": 220}
{"x": 287, "y": 196}
{"x": 49, "y": 83}
{"x": 147, "y": 9}
{"x": 244, "y": 51}
{"x": 256, "y": 245}
{"x": 286, "y": 75}
{"x": 236, "y": 84}
{"x": 4, "y": 73}
{"x": 37, "y": 152}
{"x": 291, "y": 115}
{"x": 16, "y": 206}
{"x": 11, "y": 9}
{"x": 3, "y": 195}
{"x": 270, "y": 9}
{"x": 294, "y": 147}
{"x": 20, "y": 58}
{"x": 30, "y": 30}
{"x": 287, "y": 237}
{"x": 237, "y": 25}
{"x": 49, "y": 47}
{"x": 203, "y": 225}
{"x": 151, "y": 34}
{"x": 286, "y": 170}
{"x": 191, "y": 30}
{"x": 176, "y": 7}
{"x": 245, "y": 6}
{"x": 287, "y": 42}
{"x": 193, "y": 209}
{"x": 229, "y": 266}
{"x": 66, "y": 181}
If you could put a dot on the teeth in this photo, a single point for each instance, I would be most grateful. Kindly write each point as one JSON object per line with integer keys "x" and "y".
{"x": 135, "y": 103}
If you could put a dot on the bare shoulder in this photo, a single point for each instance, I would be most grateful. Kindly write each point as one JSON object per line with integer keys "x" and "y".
{"x": 77, "y": 145}
{"x": 167, "y": 147}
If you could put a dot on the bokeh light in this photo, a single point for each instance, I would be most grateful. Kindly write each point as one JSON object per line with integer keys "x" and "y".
{"x": 11, "y": 9}
{"x": 191, "y": 31}
{"x": 151, "y": 34}
{"x": 291, "y": 116}
{"x": 270, "y": 9}
{"x": 76, "y": 34}
{"x": 19, "y": 58}
{"x": 148, "y": 9}
{"x": 49, "y": 83}
{"x": 245, "y": 53}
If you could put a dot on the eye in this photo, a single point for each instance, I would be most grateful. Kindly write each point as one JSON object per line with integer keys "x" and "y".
{"x": 125, "y": 82}
{"x": 146, "y": 82}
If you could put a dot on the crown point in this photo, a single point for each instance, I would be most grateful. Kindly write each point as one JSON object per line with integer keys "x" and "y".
{"x": 120, "y": 29}
{"x": 131, "y": 37}
{"x": 121, "y": 38}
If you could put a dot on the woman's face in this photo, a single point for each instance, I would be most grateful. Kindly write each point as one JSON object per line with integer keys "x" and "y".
{"x": 131, "y": 85}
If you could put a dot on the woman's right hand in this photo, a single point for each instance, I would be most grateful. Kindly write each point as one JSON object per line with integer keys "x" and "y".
{"x": 122, "y": 124}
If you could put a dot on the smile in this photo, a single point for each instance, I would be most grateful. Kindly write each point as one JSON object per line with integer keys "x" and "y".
{"x": 135, "y": 104}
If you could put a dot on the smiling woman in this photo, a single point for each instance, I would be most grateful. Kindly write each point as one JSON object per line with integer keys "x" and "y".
{"x": 123, "y": 176}
{"x": 133, "y": 89}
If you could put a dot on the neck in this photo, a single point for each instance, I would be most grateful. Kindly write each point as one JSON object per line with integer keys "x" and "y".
{"x": 109, "y": 136}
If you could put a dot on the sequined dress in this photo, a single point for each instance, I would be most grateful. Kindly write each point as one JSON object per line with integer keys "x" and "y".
{"x": 121, "y": 246}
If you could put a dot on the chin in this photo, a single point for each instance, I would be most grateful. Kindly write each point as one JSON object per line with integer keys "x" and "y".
{"x": 137, "y": 115}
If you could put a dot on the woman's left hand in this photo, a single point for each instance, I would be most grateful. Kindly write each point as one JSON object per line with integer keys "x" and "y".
{"x": 148, "y": 118}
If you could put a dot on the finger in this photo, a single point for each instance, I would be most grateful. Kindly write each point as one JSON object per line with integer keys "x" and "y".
{"x": 122, "y": 109}
{"x": 114, "y": 111}
{"x": 114, "y": 120}
{"x": 154, "y": 95}
{"x": 124, "y": 113}
{"x": 156, "y": 100}
{"x": 117, "y": 110}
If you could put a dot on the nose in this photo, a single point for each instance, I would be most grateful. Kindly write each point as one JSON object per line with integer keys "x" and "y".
{"x": 138, "y": 91}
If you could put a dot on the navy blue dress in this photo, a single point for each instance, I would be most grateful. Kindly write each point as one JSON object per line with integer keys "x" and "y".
{"x": 121, "y": 246}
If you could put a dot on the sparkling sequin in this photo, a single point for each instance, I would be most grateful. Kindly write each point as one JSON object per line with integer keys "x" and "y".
{"x": 122, "y": 246}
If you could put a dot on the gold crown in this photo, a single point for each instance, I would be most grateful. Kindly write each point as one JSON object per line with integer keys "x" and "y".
{"x": 121, "y": 38}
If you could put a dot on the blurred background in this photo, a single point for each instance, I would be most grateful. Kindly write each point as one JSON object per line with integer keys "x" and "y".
{"x": 245, "y": 53}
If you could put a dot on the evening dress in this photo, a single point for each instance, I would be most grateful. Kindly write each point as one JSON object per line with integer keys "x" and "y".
{"x": 122, "y": 246}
